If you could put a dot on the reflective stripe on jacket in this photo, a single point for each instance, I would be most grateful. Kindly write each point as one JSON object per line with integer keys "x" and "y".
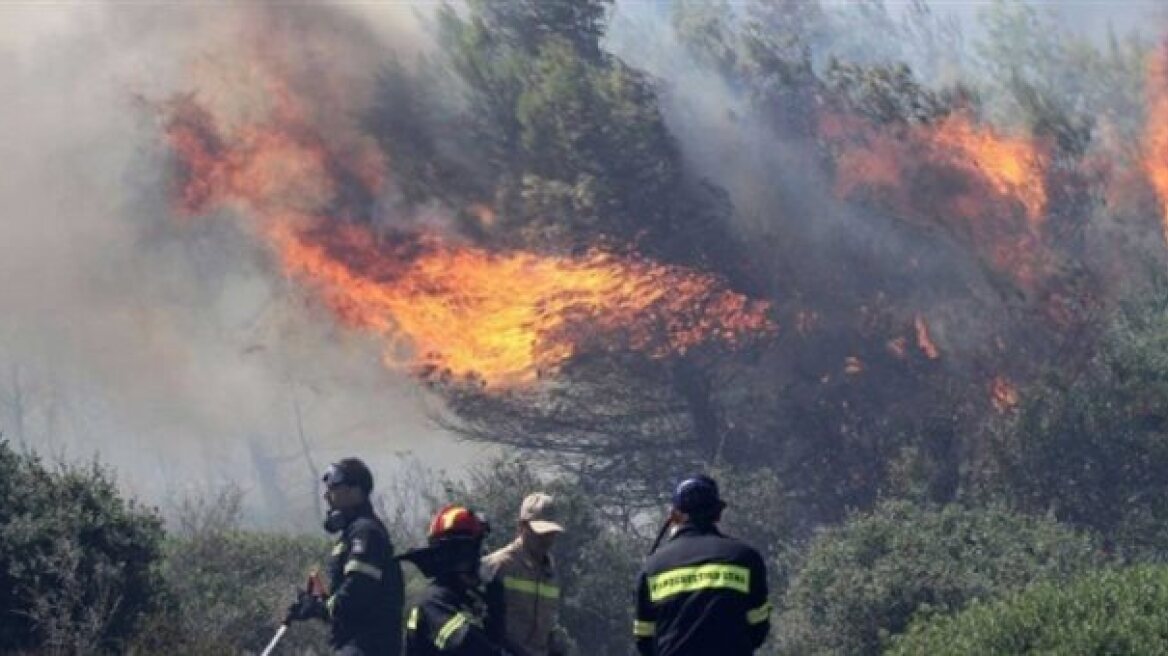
{"x": 523, "y": 601}
{"x": 445, "y": 622}
{"x": 702, "y": 593}
{"x": 365, "y": 605}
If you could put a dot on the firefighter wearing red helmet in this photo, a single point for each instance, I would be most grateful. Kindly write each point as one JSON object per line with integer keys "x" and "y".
{"x": 447, "y": 619}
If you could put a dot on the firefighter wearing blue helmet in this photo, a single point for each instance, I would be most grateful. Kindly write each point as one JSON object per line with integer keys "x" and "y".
{"x": 701, "y": 592}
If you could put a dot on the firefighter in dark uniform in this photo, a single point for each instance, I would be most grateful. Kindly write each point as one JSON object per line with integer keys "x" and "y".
{"x": 701, "y": 592}
{"x": 363, "y": 598}
{"x": 448, "y": 619}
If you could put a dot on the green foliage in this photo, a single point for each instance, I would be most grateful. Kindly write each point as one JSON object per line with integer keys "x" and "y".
{"x": 1090, "y": 445}
{"x": 77, "y": 560}
{"x": 574, "y": 141}
{"x": 864, "y": 581}
{"x": 1114, "y": 611}
{"x": 1039, "y": 67}
{"x": 229, "y": 586}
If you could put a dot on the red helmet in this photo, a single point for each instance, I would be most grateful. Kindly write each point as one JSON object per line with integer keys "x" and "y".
{"x": 457, "y": 521}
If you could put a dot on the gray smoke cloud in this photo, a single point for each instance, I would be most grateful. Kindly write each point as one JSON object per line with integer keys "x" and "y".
{"x": 170, "y": 346}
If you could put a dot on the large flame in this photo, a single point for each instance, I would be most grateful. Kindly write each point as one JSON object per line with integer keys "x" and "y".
{"x": 1013, "y": 166}
{"x": 502, "y": 318}
{"x": 1156, "y": 129}
{"x": 985, "y": 187}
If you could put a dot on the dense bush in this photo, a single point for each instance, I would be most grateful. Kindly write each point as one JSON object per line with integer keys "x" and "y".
{"x": 865, "y": 580}
{"x": 1107, "y": 612}
{"x": 229, "y": 587}
{"x": 77, "y": 560}
{"x": 1088, "y": 445}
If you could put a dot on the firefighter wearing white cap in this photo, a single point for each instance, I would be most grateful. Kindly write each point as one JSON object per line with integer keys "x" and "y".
{"x": 523, "y": 593}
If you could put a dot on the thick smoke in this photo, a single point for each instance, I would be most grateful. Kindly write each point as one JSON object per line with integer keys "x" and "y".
{"x": 174, "y": 349}
{"x": 169, "y": 346}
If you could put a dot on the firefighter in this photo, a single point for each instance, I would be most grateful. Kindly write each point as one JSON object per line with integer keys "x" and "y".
{"x": 523, "y": 594}
{"x": 701, "y": 592}
{"x": 447, "y": 620}
{"x": 364, "y": 608}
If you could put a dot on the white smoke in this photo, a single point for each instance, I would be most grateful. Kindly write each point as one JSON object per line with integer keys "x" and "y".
{"x": 166, "y": 345}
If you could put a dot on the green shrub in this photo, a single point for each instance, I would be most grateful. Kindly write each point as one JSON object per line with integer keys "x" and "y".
{"x": 865, "y": 580}
{"x": 229, "y": 587}
{"x": 1114, "y": 611}
{"x": 77, "y": 560}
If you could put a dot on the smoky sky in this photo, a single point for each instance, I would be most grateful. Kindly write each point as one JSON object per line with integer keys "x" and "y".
{"x": 169, "y": 346}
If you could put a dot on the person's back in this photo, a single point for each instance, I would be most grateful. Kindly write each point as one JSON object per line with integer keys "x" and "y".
{"x": 699, "y": 587}
{"x": 444, "y": 623}
{"x": 701, "y": 592}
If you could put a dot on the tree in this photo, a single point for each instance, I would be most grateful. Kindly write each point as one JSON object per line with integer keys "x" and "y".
{"x": 77, "y": 561}
{"x": 1112, "y": 611}
{"x": 1087, "y": 445}
{"x": 867, "y": 579}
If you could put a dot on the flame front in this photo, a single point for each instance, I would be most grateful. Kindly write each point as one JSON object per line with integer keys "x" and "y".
{"x": 1013, "y": 166}
{"x": 502, "y": 318}
{"x": 1156, "y": 129}
{"x": 985, "y": 187}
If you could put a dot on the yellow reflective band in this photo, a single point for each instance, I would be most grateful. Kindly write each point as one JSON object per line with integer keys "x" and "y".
{"x": 364, "y": 568}
{"x": 531, "y": 587}
{"x": 338, "y": 548}
{"x": 449, "y": 517}
{"x": 644, "y": 629}
{"x": 760, "y": 614}
{"x": 700, "y": 577}
{"x": 453, "y": 624}
{"x": 412, "y": 623}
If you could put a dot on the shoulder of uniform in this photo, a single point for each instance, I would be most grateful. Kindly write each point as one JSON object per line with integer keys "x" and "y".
{"x": 502, "y": 555}
{"x": 367, "y": 526}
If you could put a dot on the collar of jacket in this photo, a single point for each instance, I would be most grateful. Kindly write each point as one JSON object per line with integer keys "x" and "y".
{"x": 689, "y": 528}
{"x": 353, "y": 514}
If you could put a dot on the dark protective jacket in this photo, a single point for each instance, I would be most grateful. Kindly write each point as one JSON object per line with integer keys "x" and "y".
{"x": 447, "y": 622}
{"x": 702, "y": 593}
{"x": 365, "y": 582}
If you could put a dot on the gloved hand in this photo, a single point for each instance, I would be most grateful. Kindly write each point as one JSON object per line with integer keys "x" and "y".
{"x": 306, "y": 607}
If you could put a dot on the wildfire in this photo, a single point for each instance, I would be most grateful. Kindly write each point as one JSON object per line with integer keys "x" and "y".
{"x": 925, "y": 340}
{"x": 1013, "y": 166}
{"x": 1156, "y": 129}
{"x": 1003, "y": 394}
{"x": 984, "y": 187}
{"x": 438, "y": 306}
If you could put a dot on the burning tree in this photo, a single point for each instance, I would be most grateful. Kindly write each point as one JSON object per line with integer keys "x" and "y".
{"x": 515, "y": 222}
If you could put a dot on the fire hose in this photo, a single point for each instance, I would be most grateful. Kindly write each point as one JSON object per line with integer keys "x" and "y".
{"x": 275, "y": 639}
{"x": 315, "y": 587}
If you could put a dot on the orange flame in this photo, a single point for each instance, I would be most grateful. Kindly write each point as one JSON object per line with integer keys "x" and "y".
{"x": 1013, "y": 166}
{"x": 985, "y": 187}
{"x": 925, "y": 340}
{"x": 439, "y": 307}
{"x": 1003, "y": 394}
{"x": 1156, "y": 129}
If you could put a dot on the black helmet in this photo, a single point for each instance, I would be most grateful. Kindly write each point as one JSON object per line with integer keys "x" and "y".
{"x": 698, "y": 495}
{"x": 349, "y": 471}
